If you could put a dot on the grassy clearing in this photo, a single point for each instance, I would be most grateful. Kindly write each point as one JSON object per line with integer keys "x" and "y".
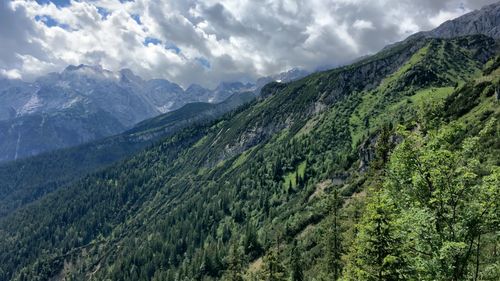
{"x": 291, "y": 178}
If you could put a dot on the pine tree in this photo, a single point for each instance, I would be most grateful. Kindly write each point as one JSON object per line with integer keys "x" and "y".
{"x": 296, "y": 269}
{"x": 334, "y": 241}
{"x": 274, "y": 270}
{"x": 251, "y": 243}
{"x": 378, "y": 250}
{"x": 234, "y": 265}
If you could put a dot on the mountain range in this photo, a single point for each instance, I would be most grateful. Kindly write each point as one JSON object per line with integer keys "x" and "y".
{"x": 84, "y": 103}
{"x": 384, "y": 169}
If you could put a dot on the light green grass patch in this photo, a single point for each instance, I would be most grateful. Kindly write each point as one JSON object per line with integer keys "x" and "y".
{"x": 291, "y": 178}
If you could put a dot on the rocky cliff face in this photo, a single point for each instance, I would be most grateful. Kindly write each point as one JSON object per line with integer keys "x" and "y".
{"x": 485, "y": 21}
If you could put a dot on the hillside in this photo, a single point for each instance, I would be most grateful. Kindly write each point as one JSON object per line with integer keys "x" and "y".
{"x": 24, "y": 181}
{"x": 306, "y": 181}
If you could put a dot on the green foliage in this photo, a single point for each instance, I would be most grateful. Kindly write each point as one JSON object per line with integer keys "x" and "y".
{"x": 234, "y": 265}
{"x": 273, "y": 270}
{"x": 378, "y": 248}
{"x": 333, "y": 244}
{"x": 451, "y": 190}
{"x": 296, "y": 270}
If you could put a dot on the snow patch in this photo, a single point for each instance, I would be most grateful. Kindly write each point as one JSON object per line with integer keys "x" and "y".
{"x": 63, "y": 84}
{"x": 31, "y": 105}
{"x": 71, "y": 102}
{"x": 165, "y": 108}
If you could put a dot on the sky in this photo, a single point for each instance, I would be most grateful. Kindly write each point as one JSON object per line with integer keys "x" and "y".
{"x": 207, "y": 41}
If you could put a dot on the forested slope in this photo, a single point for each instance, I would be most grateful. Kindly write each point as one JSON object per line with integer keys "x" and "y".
{"x": 26, "y": 180}
{"x": 386, "y": 169}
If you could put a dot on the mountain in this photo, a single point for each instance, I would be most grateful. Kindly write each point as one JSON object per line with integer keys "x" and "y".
{"x": 233, "y": 196}
{"x": 25, "y": 180}
{"x": 484, "y": 21}
{"x": 385, "y": 169}
{"x": 85, "y": 103}
{"x": 283, "y": 77}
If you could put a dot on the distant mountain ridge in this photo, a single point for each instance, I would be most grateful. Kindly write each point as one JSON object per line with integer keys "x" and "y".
{"x": 84, "y": 103}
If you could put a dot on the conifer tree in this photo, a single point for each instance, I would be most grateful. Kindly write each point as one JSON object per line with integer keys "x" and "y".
{"x": 334, "y": 240}
{"x": 378, "y": 249}
{"x": 274, "y": 270}
{"x": 296, "y": 269}
{"x": 234, "y": 265}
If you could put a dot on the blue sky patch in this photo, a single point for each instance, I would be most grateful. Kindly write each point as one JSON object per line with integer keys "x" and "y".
{"x": 103, "y": 12}
{"x": 50, "y": 21}
{"x": 137, "y": 18}
{"x": 204, "y": 62}
{"x": 173, "y": 47}
{"x": 151, "y": 40}
{"x": 58, "y": 3}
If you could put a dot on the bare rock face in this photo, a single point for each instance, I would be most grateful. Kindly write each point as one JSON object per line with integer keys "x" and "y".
{"x": 485, "y": 21}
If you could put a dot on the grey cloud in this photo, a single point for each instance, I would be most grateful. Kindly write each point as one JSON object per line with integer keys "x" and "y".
{"x": 16, "y": 30}
{"x": 178, "y": 29}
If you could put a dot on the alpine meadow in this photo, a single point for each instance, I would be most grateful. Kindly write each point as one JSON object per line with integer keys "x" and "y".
{"x": 386, "y": 167}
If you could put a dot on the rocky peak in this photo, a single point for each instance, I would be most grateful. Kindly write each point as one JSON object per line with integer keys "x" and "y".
{"x": 484, "y": 21}
{"x": 128, "y": 76}
{"x": 87, "y": 71}
{"x": 197, "y": 90}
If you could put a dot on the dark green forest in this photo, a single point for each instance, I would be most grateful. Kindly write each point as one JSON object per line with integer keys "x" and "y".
{"x": 386, "y": 169}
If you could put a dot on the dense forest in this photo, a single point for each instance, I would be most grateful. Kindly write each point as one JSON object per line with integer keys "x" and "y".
{"x": 386, "y": 169}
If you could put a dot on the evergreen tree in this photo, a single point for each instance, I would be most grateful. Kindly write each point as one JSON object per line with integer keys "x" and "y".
{"x": 378, "y": 249}
{"x": 251, "y": 243}
{"x": 296, "y": 269}
{"x": 274, "y": 270}
{"x": 234, "y": 265}
{"x": 334, "y": 240}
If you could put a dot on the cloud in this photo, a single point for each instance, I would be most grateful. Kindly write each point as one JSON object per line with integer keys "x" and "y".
{"x": 207, "y": 41}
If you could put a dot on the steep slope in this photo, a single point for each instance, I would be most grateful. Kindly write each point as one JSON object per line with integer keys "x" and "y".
{"x": 24, "y": 181}
{"x": 484, "y": 21}
{"x": 251, "y": 182}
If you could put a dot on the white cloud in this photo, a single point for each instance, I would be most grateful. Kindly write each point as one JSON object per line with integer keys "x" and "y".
{"x": 443, "y": 16}
{"x": 10, "y": 74}
{"x": 208, "y": 41}
{"x": 363, "y": 24}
